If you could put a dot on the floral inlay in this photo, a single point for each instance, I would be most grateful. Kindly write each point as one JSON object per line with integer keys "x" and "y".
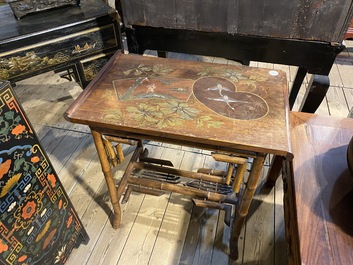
{"x": 29, "y": 209}
{"x": 3, "y": 246}
{"x": 10, "y": 126}
{"x": 149, "y": 71}
{"x": 60, "y": 258}
{"x": 4, "y": 168}
{"x": 169, "y": 113}
{"x": 10, "y": 184}
{"x": 25, "y": 213}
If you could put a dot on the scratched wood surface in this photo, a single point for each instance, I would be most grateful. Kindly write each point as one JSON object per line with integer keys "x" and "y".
{"x": 299, "y": 19}
{"x": 46, "y": 97}
{"x": 323, "y": 191}
{"x": 247, "y": 107}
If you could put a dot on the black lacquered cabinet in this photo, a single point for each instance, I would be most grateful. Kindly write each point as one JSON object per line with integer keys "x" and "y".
{"x": 69, "y": 37}
{"x": 38, "y": 224}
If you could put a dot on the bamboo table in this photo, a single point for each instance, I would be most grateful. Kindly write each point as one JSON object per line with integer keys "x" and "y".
{"x": 237, "y": 112}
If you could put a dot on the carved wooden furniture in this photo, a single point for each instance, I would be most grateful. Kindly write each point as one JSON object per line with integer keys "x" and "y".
{"x": 38, "y": 224}
{"x": 307, "y": 34}
{"x": 318, "y": 200}
{"x": 71, "y": 37}
{"x": 237, "y": 112}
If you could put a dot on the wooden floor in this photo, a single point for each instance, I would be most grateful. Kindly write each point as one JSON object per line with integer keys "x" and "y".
{"x": 166, "y": 229}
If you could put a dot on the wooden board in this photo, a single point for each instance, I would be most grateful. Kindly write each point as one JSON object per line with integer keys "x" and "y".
{"x": 320, "y": 230}
{"x": 299, "y": 19}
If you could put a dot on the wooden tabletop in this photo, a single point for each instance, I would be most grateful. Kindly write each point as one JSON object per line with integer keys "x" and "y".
{"x": 220, "y": 105}
{"x": 323, "y": 190}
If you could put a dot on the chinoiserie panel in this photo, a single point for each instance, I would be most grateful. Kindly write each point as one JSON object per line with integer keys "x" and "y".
{"x": 38, "y": 223}
{"x": 57, "y": 51}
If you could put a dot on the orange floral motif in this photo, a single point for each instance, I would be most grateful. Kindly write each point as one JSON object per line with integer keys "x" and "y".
{"x": 69, "y": 221}
{"x": 49, "y": 239}
{"x": 3, "y": 246}
{"x": 35, "y": 159}
{"x": 4, "y": 167}
{"x": 60, "y": 204}
{"x": 22, "y": 258}
{"x": 52, "y": 180}
{"x": 18, "y": 129}
{"x": 29, "y": 209}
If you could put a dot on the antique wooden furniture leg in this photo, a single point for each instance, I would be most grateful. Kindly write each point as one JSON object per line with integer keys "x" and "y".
{"x": 109, "y": 178}
{"x": 244, "y": 205}
{"x": 275, "y": 170}
{"x": 298, "y": 81}
{"x": 315, "y": 93}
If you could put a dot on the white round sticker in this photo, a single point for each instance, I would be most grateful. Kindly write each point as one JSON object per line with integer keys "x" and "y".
{"x": 273, "y": 73}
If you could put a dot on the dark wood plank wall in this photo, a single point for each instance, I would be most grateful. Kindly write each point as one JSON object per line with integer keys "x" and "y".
{"x": 298, "y": 19}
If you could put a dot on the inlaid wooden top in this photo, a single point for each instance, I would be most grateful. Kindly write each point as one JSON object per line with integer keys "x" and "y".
{"x": 221, "y": 105}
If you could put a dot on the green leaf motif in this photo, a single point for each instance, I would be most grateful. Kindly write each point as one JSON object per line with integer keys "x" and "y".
{"x": 207, "y": 72}
{"x": 9, "y": 115}
{"x": 257, "y": 78}
{"x": 169, "y": 121}
{"x": 208, "y": 122}
{"x": 115, "y": 115}
{"x": 214, "y": 124}
{"x": 18, "y": 163}
{"x": 18, "y": 119}
{"x": 251, "y": 83}
{"x": 160, "y": 69}
{"x": 144, "y": 113}
{"x": 179, "y": 108}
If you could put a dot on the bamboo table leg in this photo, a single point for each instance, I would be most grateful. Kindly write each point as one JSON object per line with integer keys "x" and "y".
{"x": 243, "y": 208}
{"x": 109, "y": 178}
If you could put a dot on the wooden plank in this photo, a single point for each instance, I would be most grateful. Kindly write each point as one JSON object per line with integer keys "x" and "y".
{"x": 64, "y": 150}
{"x": 133, "y": 12}
{"x": 171, "y": 236}
{"x": 322, "y": 189}
{"x": 158, "y": 13}
{"x": 265, "y": 18}
{"x": 265, "y": 65}
{"x": 94, "y": 219}
{"x": 335, "y": 77}
{"x": 337, "y": 102}
{"x": 348, "y": 93}
{"x": 186, "y": 13}
{"x": 280, "y": 242}
{"x": 345, "y": 70}
{"x": 297, "y": 19}
{"x": 259, "y": 241}
{"x": 72, "y": 171}
{"x": 221, "y": 243}
{"x": 292, "y": 72}
{"x": 200, "y": 237}
{"x": 111, "y": 242}
{"x": 202, "y": 229}
{"x": 144, "y": 232}
{"x": 93, "y": 205}
{"x": 323, "y": 108}
{"x": 82, "y": 195}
